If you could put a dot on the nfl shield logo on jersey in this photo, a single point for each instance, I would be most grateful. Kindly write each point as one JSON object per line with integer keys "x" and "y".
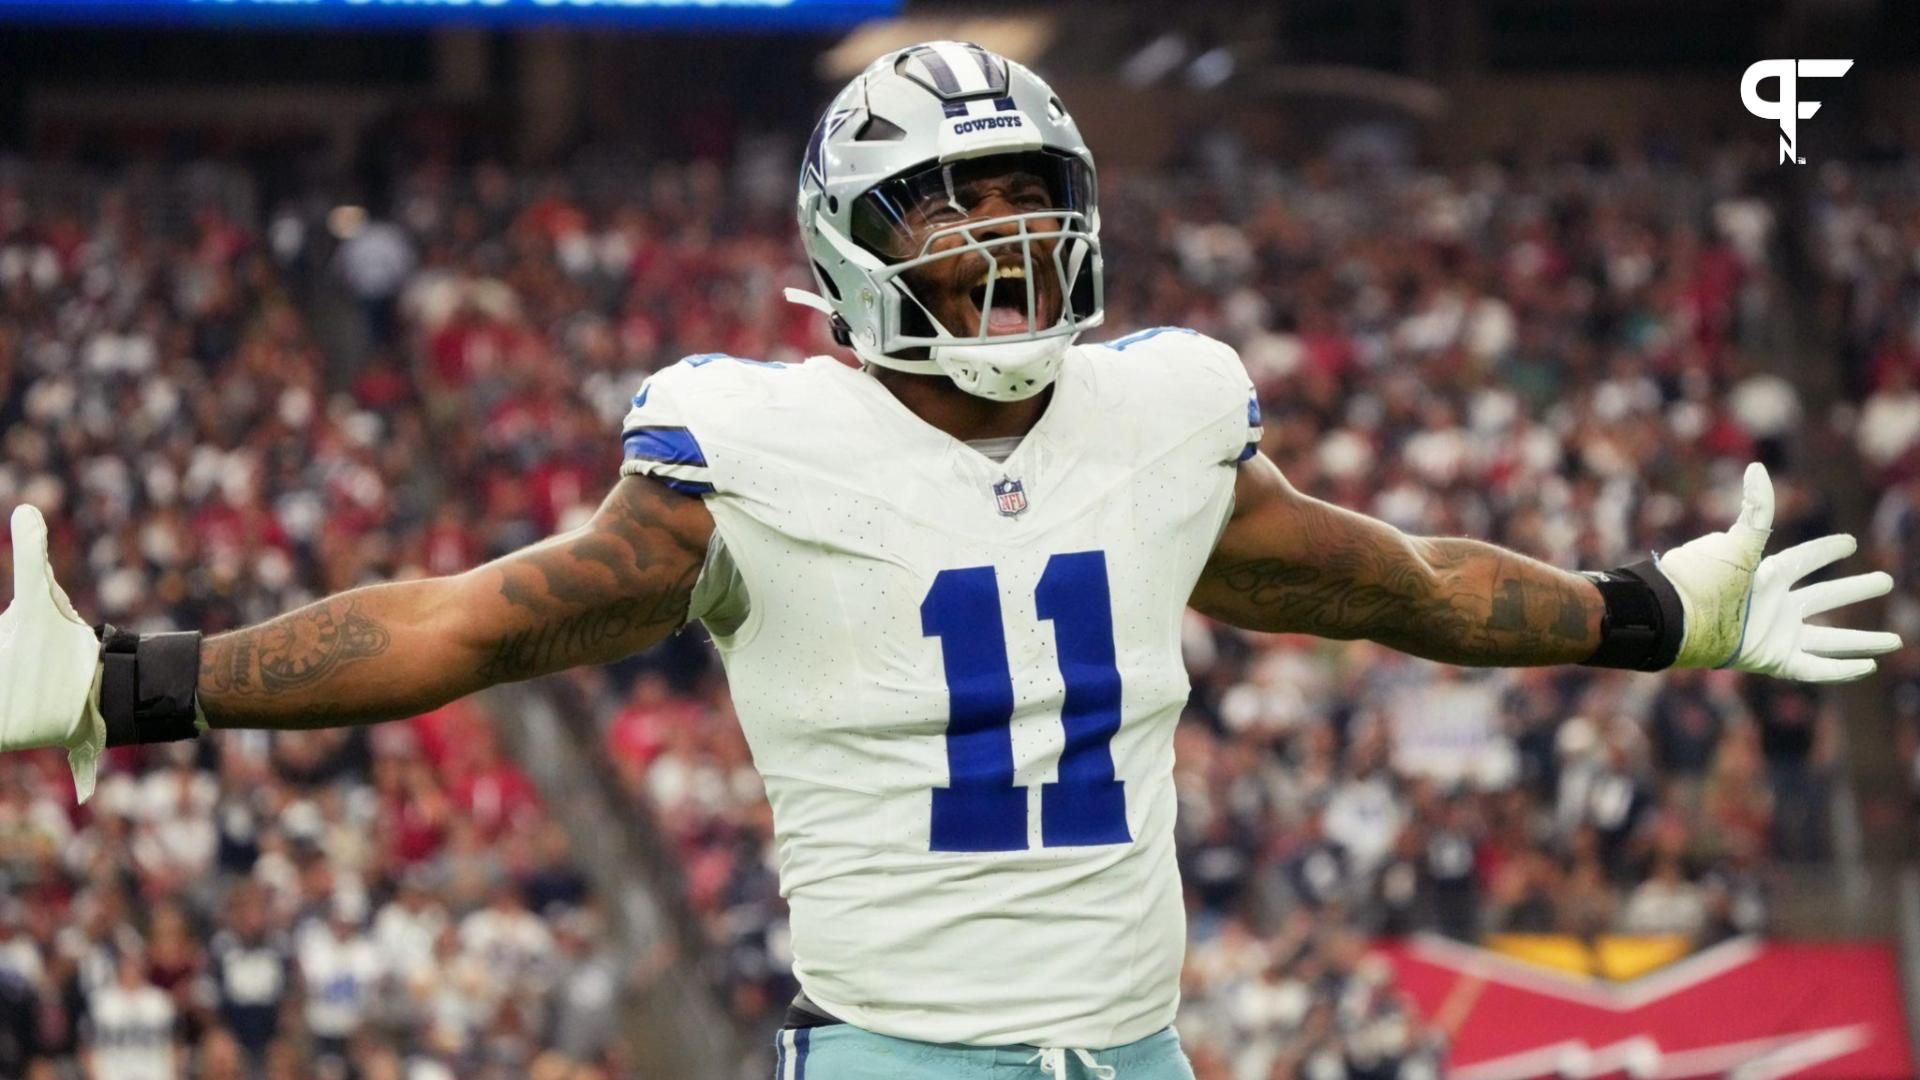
{"x": 1010, "y": 496}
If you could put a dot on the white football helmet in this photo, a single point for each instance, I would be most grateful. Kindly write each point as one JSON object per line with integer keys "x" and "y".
{"x": 905, "y": 134}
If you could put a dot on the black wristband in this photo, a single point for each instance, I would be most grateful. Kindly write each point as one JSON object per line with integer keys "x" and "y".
{"x": 1644, "y": 622}
{"x": 147, "y": 685}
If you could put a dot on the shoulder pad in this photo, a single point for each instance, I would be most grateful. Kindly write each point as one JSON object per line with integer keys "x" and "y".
{"x": 1201, "y": 375}
{"x": 676, "y": 405}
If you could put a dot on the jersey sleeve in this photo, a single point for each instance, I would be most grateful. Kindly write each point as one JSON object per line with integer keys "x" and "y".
{"x": 1229, "y": 406}
{"x": 659, "y": 434}
{"x": 1203, "y": 381}
{"x": 1254, "y": 430}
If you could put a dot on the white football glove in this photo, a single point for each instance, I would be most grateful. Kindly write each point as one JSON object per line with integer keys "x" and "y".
{"x": 49, "y": 662}
{"x": 1742, "y": 611}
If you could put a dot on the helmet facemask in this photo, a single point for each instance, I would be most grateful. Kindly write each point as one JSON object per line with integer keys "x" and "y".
{"x": 1037, "y": 271}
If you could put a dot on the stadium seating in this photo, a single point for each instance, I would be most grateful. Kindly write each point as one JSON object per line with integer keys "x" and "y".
{"x": 230, "y": 408}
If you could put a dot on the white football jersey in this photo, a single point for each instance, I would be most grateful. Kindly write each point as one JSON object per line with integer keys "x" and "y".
{"x": 132, "y": 1033}
{"x": 960, "y": 678}
{"x": 342, "y": 976}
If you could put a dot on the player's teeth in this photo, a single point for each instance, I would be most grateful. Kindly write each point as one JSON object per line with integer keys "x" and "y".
{"x": 1001, "y": 271}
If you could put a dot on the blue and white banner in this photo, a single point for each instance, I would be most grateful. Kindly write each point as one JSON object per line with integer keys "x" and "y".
{"x": 346, "y": 14}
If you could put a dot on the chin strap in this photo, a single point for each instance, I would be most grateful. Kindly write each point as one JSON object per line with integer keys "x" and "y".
{"x": 911, "y": 367}
{"x": 808, "y": 300}
{"x": 842, "y": 333}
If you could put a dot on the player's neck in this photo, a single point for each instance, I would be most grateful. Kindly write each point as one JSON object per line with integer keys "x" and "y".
{"x": 934, "y": 399}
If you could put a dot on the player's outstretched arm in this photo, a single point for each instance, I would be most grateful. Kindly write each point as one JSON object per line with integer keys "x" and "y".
{"x": 1290, "y": 563}
{"x": 616, "y": 585}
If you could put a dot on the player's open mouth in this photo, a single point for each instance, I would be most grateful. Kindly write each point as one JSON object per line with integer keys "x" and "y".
{"x": 1009, "y": 313}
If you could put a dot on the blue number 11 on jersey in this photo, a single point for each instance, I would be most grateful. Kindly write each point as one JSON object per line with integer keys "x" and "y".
{"x": 982, "y": 809}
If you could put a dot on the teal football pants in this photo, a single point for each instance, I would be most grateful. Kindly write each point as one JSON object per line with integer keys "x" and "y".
{"x": 845, "y": 1052}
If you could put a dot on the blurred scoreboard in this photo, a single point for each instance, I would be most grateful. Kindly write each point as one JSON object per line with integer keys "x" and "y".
{"x": 347, "y": 14}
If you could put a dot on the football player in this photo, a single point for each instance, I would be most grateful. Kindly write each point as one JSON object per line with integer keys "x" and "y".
{"x": 947, "y": 586}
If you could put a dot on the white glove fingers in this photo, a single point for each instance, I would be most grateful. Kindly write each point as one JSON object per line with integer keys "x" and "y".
{"x": 1826, "y": 595}
{"x": 1838, "y": 642}
{"x": 30, "y": 574}
{"x": 1802, "y": 559}
{"x": 1821, "y": 669}
{"x": 49, "y": 660}
{"x": 1756, "y": 509}
{"x": 61, "y": 602}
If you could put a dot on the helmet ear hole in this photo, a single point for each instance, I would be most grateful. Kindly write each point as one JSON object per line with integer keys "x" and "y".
{"x": 1083, "y": 303}
{"x": 833, "y": 204}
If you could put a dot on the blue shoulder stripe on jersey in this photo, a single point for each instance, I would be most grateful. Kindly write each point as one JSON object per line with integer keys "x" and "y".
{"x": 1253, "y": 412}
{"x": 686, "y": 487}
{"x": 1137, "y": 337}
{"x": 667, "y": 445}
{"x": 1252, "y": 449}
{"x": 700, "y": 360}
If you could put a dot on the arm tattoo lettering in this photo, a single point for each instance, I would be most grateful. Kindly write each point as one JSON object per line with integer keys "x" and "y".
{"x": 531, "y": 651}
{"x": 226, "y": 665}
{"x": 557, "y": 642}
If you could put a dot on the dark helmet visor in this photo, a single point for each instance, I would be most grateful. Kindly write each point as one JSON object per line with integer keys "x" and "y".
{"x": 890, "y": 219}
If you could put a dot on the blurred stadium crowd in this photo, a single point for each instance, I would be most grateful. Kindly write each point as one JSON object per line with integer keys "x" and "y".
{"x": 228, "y": 408}
{"x": 1865, "y": 231}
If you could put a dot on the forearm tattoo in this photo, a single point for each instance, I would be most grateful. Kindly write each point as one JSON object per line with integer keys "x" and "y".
{"x": 291, "y": 652}
{"x": 1460, "y": 601}
{"x": 1517, "y": 601}
{"x": 622, "y": 582}
{"x": 1343, "y": 598}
